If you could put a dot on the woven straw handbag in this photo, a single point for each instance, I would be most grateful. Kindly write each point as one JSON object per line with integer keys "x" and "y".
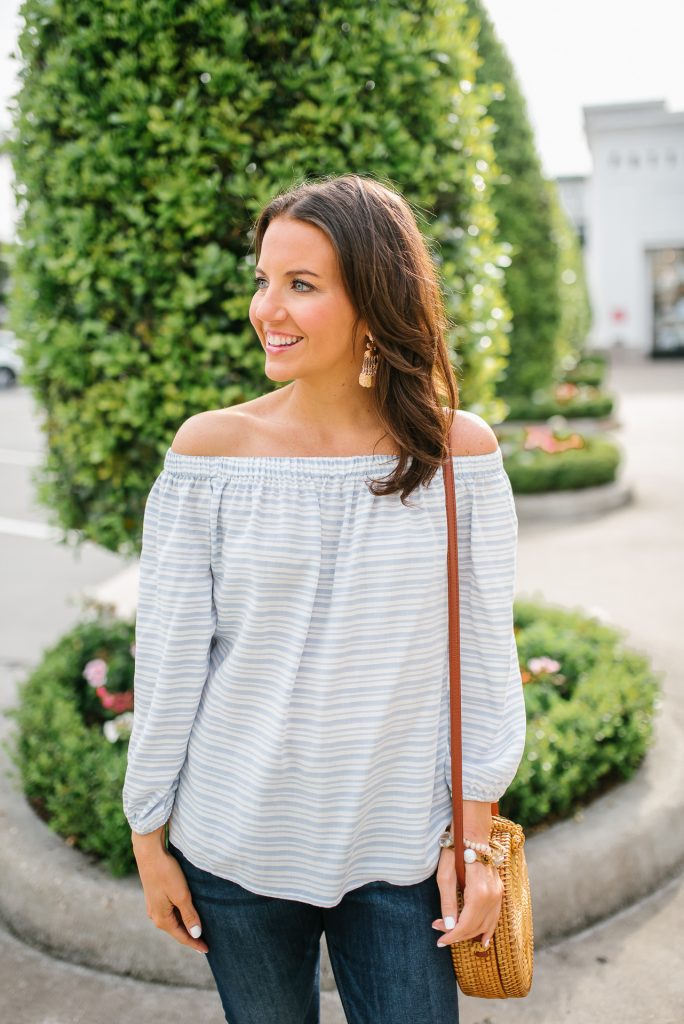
{"x": 504, "y": 969}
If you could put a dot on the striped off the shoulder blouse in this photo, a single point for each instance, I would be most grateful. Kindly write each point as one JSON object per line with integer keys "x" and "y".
{"x": 291, "y": 713}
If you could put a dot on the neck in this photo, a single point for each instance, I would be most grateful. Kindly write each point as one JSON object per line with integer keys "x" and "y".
{"x": 344, "y": 410}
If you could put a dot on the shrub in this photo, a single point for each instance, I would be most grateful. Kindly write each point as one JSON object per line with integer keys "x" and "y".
{"x": 589, "y": 723}
{"x": 71, "y": 774}
{"x": 574, "y": 401}
{"x": 557, "y": 459}
{"x": 589, "y": 369}
{"x": 589, "y": 712}
{"x": 146, "y": 136}
{"x": 575, "y": 303}
{"x": 522, "y": 202}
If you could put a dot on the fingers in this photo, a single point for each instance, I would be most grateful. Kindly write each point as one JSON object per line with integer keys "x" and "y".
{"x": 169, "y": 922}
{"x": 447, "y": 883}
{"x": 476, "y": 920}
{"x": 190, "y": 919}
{"x": 482, "y": 901}
{"x": 469, "y": 926}
{"x": 464, "y": 928}
{"x": 169, "y": 903}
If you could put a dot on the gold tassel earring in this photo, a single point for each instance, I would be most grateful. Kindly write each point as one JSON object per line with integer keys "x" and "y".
{"x": 370, "y": 364}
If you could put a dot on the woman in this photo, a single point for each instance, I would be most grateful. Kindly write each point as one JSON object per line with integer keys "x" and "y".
{"x": 291, "y": 693}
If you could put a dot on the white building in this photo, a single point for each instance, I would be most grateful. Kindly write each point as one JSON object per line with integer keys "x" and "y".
{"x": 630, "y": 216}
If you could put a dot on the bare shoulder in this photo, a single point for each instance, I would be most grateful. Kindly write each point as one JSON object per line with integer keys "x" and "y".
{"x": 471, "y": 435}
{"x": 215, "y": 432}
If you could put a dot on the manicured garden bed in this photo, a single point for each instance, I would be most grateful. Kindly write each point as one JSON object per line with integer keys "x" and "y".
{"x": 542, "y": 459}
{"x": 590, "y": 703}
{"x": 574, "y": 401}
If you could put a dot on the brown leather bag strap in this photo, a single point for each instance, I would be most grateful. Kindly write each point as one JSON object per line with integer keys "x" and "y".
{"x": 455, "y": 671}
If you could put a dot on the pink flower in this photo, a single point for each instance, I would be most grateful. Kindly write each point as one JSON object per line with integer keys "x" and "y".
{"x": 116, "y": 702}
{"x": 122, "y": 702}
{"x": 95, "y": 672}
{"x": 565, "y": 391}
{"x": 543, "y": 665}
{"x": 106, "y": 698}
{"x": 541, "y": 436}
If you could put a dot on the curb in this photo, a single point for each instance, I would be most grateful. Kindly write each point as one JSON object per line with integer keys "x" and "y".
{"x": 585, "y": 501}
{"x": 624, "y": 846}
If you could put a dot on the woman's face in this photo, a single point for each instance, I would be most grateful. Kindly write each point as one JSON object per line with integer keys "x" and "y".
{"x": 299, "y": 293}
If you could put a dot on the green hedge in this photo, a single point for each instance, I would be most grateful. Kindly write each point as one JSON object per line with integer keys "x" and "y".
{"x": 590, "y": 369}
{"x": 576, "y": 313}
{"x": 589, "y": 722}
{"x": 71, "y": 773}
{"x": 147, "y": 135}
{"x": 587, "y": 402}
{"x": 522, "y": 201}
{"x": 535, "y": 471}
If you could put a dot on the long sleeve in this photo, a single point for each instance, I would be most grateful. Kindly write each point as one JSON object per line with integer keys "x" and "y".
{"x": 175, "y": 623}
{"x": 493, "y": 706}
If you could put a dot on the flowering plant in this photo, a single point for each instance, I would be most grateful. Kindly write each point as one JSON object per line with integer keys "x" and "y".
{"x": 537, "y": 667}
{"x": 112, "y": 700}
{"x": 565, "y": 391}
{"x": 542, "y": 436}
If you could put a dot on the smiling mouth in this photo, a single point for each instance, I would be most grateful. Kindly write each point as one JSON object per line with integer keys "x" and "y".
{"x": 282, "y": 344}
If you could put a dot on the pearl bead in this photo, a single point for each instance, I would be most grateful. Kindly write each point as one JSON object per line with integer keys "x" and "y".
{"x": 469, "y": 856}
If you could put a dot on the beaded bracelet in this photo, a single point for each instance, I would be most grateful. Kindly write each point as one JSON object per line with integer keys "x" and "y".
{"x": 476, "y": 851}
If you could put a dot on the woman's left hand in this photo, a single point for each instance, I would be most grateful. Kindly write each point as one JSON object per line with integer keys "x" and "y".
{"x": 482, "y": 900}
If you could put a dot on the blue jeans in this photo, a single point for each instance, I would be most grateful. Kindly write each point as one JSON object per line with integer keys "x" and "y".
{"x": 264, "y": 952}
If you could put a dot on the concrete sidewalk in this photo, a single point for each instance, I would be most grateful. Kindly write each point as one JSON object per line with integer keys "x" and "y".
{"x": 625, "y": 971}
{"x": 622, "y": 566}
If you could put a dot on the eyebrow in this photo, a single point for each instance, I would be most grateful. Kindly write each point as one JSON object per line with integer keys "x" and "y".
{"x": 289, "y": 273}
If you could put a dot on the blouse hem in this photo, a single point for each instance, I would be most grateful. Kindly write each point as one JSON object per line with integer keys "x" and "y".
{"x": 264, "y": 890}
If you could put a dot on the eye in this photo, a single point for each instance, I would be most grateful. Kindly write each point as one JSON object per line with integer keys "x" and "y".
{"x": 295, "y": 280}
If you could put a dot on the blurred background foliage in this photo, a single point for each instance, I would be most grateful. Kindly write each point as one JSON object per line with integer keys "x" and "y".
{"x": 530, "y": 217}
{"x": 147, "y": 135}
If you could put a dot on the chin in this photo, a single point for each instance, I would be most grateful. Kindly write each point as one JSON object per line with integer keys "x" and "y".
{"x": 276, "y": 377}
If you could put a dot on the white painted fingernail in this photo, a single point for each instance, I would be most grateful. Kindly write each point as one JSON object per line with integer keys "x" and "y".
{"x": 485, "y": 944}
{"x": 449, "y": 922}
{"x": 196, "y": 931}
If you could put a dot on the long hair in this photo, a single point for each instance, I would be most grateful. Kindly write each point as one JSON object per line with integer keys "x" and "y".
{"x": 392, "y": 283}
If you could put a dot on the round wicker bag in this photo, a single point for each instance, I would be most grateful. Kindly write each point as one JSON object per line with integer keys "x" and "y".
{"x": 504, "y": 969}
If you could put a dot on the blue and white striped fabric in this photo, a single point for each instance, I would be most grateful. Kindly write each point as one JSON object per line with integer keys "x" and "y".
{"x": 291, "y": 679}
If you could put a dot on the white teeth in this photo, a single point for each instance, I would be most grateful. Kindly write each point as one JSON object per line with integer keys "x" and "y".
{"x": 281, "y": 341}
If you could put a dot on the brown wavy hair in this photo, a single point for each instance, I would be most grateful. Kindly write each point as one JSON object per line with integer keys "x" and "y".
{"x": 391, "y": 280}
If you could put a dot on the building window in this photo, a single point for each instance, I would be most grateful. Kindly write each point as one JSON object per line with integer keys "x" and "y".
{"x": 671, "y": 157}
{"x": 668, "y": 300}
{"x": 614, "y": 159}
{"x": 634, "y": 159}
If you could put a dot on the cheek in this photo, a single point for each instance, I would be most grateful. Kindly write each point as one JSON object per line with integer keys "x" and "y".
{"x": 319, "y": 317}
{"x": 254, "y": 319}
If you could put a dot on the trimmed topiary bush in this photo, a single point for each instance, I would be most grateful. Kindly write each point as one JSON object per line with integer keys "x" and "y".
{"x": 575, "y": 302}
{"x": 589, "y": 369}
{"x": 146, "y": 137}
{"x": 589, "y": 700}
{"x": 522, "y": 202}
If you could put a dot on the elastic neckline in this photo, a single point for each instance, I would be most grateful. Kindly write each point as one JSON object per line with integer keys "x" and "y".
{"x": 310, "y": 465}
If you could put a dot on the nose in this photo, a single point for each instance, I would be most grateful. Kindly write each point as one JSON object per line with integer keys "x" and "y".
{"x": 269, "y": 309}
